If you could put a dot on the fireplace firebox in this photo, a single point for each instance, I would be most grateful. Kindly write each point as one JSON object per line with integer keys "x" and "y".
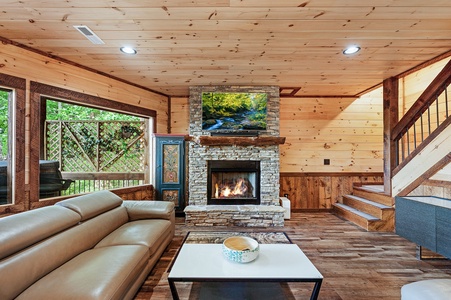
{"x": 233, "y": 182}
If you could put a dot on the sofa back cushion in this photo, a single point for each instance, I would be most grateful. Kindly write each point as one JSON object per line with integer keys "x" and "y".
{"x": 143, "y": 210}
{"x": 24, "y": 229}
{"x": 22, "y": 269}
{"x": 91, "y": 205}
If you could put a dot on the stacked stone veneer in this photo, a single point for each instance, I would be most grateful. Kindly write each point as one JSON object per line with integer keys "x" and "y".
{"x": 197, "y": 212}
{"x": 234, "y": 215}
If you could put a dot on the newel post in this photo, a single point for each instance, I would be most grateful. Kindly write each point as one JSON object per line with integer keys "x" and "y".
{"x": 390, "y": 117}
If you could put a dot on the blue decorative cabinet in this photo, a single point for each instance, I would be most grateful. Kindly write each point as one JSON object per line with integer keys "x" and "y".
{"x": 426, "y": 221}
{"x": 170, "y": 169}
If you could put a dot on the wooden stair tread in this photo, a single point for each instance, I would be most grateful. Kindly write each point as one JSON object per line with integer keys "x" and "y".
{"x": 356, "y": 212}
{"x": 369, "y": 202}
{"x": 368, "y": 207}
{"x": 373, "y": 196}
{"x": 371, "y": 188}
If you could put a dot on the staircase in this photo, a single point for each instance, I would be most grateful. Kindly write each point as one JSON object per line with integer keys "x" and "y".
{"x": 418, "y": 148}
{"x": 368, "y": 207}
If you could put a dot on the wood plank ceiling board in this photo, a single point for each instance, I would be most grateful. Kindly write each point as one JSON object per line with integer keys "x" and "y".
{"x": 296, "y": 45}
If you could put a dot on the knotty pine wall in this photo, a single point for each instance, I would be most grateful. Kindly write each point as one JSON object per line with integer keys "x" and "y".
{"x": 35, "y": 67}
{"x": 347, "y": 131}
{"x": 179, "y": 116}
{"x": 412, "y": 85}
{"x": 32, "y": 66}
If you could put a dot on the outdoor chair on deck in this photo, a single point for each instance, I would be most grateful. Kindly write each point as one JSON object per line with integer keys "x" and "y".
{"x": 51, "y": 182}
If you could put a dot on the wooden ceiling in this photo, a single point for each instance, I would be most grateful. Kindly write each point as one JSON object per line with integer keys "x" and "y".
{"x": 296, "y": 45}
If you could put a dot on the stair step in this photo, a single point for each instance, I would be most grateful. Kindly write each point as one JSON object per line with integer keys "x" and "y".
{"x": 373, "y": 188}
{"x": 362, "y": 214}
{"x": 362, "y": 219}
{"x": 378, "y": 197}
{"x": 376, "y": 209}
{"x": 369, "y": 202}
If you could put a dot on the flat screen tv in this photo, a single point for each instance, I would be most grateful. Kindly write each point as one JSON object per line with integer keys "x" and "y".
{"x": 232, "y": 112}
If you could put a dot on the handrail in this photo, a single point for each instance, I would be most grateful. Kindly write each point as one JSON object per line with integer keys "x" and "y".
{"x": 405, "y": 135}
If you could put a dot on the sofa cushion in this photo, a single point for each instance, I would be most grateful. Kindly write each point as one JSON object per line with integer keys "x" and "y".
{"x": 101, "y": 273}
{"x": 91, "y": 205}
{"x": 47, "y": 255}
{"x": 149, "y": 233}
{"x": 22, "y": 230}
{"x": 138, "y": 210}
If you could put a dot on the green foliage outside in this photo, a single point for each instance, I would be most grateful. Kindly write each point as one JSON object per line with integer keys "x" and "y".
{"x": 4, "y": 124}
{"x": 112, "y": 140}
{"x": 236, "y": 110}
{"x": 116, "y": 132}
{"x": 65, "y": 111}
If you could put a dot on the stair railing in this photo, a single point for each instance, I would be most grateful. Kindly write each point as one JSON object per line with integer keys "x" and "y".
{"x": 427, "y": 117}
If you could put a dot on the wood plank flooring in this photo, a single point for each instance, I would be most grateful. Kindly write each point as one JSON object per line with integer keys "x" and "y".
{"x": 356, "y": 265}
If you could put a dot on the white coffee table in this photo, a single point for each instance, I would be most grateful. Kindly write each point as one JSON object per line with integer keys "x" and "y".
{"x": 275, "y": 263}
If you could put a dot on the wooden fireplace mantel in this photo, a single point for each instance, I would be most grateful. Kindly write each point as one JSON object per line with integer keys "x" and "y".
{"x": 236, "y": 140}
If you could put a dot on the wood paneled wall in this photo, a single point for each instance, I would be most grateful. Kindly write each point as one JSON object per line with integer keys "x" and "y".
{"x": 347, "y": 131}
{"x": 411, "y": 86}
{"x": 35, "y": 67}
{"x": 179, "y": 115}
{"x": 318, "y": 191}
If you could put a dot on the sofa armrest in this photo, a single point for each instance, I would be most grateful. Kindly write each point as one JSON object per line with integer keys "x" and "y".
{"x": 138, "y": 210}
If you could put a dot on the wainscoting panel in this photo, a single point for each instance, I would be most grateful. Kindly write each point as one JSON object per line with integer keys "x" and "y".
{"x": 318, "y": 191}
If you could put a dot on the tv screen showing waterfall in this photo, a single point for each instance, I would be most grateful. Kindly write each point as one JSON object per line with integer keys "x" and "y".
{"x": 234, "y": 112}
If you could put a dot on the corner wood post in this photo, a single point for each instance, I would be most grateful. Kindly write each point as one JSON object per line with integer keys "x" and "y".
{"x": 390, "y": 117}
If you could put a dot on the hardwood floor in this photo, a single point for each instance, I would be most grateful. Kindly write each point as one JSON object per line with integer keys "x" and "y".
{"x": 356, "y": 265}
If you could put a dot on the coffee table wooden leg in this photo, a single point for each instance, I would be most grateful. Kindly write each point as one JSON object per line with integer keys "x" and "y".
{"x": 174, "y": 293}
{"x": 315, "y": 292}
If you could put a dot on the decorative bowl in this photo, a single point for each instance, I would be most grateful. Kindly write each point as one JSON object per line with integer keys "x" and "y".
{"x": 241, "y": 249}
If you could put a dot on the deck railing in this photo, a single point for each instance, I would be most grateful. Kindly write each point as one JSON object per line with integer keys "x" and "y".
{"x": 98, "y": 155}
{"x": 91, "y": 182}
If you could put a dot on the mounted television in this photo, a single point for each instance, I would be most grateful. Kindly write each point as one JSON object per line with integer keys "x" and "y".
{"x": 234, "y": 112}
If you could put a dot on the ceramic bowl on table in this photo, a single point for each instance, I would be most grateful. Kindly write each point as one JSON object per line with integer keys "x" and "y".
{"x": 241, "y": 249}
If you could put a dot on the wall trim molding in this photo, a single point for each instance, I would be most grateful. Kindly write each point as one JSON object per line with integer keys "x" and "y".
{"x": 331, "y": 174}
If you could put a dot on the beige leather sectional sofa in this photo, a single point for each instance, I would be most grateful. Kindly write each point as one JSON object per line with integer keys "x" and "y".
{"x": 93, "y": 246}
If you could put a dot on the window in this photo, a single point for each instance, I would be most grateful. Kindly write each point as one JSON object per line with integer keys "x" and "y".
{"x": 6, "y": 159}
{"x": 39, "y": 151}
{"x": 93, "y": 149}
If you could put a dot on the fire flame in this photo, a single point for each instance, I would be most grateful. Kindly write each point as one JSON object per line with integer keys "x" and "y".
{"x": 226, "y": 191}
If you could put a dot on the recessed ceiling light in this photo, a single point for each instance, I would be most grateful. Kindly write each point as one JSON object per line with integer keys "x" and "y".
{"x": 351, "y": 50}
{"x": 128, "y": 50}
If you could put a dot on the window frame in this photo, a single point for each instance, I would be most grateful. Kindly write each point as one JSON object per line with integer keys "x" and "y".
{"x": 39, "y": 93}
{"x": 16, "y": 143}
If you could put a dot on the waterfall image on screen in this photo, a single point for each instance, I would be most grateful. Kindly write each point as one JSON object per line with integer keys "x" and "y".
{"x": 234, "y": 111}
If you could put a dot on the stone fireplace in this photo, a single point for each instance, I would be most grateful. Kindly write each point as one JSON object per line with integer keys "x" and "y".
{"x": 259, "y": 164}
